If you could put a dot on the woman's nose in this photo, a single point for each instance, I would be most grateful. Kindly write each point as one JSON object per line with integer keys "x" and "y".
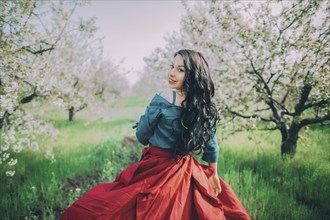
{"x": 171, "y": 72}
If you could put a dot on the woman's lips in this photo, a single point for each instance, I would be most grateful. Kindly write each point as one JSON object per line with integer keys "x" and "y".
{"x": 171, "y": 81}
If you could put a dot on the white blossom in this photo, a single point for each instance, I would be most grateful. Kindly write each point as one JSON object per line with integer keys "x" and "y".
{"x": 4, "y": 146}
{"x": 49, "y": 155}
{"x": 17, "y": 147}
{"x": 51, "y": 75}
{"x": 12, "y": 162}
{"x": 10, "y": 173}
{"x": 5, "y": 156}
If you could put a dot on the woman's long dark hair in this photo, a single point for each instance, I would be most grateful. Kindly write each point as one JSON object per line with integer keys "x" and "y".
{"x": 200, "y": 115}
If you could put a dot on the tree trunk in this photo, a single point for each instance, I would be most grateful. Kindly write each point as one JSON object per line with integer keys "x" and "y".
{"x": 289, "y": 140}
{"x": 1, "y": 122}
{"x": 71, "y": 113}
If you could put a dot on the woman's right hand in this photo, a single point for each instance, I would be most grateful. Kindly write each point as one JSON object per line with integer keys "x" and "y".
{"x": 214, "y": 178}
{"x": 215, "y": 183}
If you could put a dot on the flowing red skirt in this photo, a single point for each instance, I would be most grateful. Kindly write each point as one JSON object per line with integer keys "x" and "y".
{"x": 159, "y": 187}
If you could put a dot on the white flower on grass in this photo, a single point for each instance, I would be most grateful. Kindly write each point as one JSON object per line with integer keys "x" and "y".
{"x": 25, "y": 141}
{"x": 10, "y": 172}
{"x": 34, "y": 146}
{"x": 5, "y": 156}
{"x": 49, "y": 155}
{"x": 17, "y": 147}
{"x": 12, "y": 162}
{"x": 78, "y": 190}
{"x": 5, "y": 147}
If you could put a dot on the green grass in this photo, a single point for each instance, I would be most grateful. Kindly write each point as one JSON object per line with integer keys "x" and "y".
{"x": 135, "y": 102}
{"x": 272, "y": 188}
{"x": 90, "y": 152}
{"x": 42, "y": 189}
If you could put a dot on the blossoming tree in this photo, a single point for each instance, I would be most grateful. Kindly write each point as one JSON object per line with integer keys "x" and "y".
{"x": 44, "y": 55}
{"x": 271, "y": 61}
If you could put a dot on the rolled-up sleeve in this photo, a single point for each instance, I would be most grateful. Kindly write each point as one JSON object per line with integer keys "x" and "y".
{"x": 211, "y": 152}
{"x": 146, "y": 125}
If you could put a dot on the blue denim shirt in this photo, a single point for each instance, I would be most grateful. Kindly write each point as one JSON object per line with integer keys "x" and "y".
{"x": 160, "y": 126}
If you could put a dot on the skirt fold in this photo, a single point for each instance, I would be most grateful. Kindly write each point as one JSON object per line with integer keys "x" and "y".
{"x": 159, "y": 187}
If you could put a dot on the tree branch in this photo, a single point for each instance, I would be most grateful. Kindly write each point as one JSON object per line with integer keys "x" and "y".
{"x": 100, "y": 93}
{"x": 76, "y": 83}
{"x": 263, "y": 109}
{"x": 250, "y": 116}
{"x": 269, "y": 102}
{"x": 299, "y": 108}
{"x": 291, "y": 80}
{"x": 30, "y": 14}
{"x": 293, "y": 21}
{"x": 268, "y": 129}
{"x": 30, "y": 97}
{"x": 3, "y": 118}
{"x": 81, "y": 107}
{"x": 66, "y": 23}
{"x": 309, "y": 121}
{"x": 37, "y": 52}
{"x": 316, "y": 104}
{"x": 282, "y": 15}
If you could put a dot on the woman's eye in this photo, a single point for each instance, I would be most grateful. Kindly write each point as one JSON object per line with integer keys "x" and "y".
{"x": 171, "y": 66}
{"x": 181, "y": 70}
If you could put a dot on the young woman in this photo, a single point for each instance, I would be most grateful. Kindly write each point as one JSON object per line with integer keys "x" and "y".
{"x": 168, "y": 183}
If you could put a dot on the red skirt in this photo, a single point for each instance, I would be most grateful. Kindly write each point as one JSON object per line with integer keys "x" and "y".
{"x": 159, "y": 187}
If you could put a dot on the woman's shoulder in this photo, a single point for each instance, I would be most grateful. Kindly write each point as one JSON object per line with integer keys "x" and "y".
{"x": 166, "y": 94}
{"x": 163, "y": 98}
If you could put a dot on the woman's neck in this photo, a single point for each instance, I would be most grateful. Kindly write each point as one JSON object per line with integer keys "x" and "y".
{"x": 180, "y": 95}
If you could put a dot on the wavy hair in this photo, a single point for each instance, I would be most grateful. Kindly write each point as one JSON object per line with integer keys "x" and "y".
{"x": 200, "y": 115}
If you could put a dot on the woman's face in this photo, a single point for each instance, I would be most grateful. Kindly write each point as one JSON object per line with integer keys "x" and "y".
{"x": 176, "y": 75}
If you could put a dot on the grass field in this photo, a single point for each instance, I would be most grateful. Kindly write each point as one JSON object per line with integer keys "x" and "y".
{"x": 90, "y": 152}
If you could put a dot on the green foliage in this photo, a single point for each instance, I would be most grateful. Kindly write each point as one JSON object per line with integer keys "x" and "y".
{"x": 269, "y": 187}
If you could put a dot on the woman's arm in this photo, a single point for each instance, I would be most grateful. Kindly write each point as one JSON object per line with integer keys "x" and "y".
{"x": 214, "y": 179}
{"x": 148, "y": 121}
{"x": 210, "y": 155}
{"x": 145, "y": 126}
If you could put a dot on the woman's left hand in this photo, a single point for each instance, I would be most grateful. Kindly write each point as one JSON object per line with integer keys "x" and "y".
{"x": 215, "y": 183}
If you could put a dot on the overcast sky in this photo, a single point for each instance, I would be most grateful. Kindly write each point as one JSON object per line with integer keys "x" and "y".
{"x": 132, "y": 29}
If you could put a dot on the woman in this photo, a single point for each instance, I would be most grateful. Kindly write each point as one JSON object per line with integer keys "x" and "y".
{"x": 168, "y": 183}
